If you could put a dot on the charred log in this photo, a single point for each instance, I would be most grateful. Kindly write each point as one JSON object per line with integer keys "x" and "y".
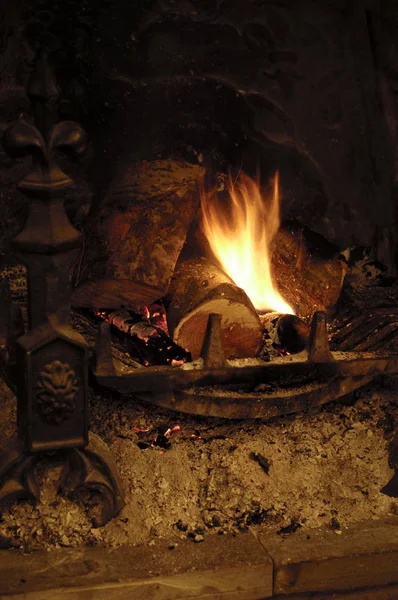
{"x": 145, "y": 342}
{"x": 199, "y": 288}
{"x": 287, "y": 333}
{"x": 293, "y": 333}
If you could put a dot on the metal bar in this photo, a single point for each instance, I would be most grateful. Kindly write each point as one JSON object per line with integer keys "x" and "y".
{"x": 157, "y": 379}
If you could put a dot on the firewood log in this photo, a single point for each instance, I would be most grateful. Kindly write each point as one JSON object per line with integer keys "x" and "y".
{"x": 308, "y": 271}
{"x": 286, "y": 331}
{"x": 293, "y": 333}
{"x": 135, "y": 236}
{"x": 199, "y": 288}
{"x": 144, "y": 341}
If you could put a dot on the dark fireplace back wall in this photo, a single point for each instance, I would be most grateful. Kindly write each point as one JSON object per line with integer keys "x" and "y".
{"x": 308, "y": 87}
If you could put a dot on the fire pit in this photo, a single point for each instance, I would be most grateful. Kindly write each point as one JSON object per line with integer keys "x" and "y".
{"x": 231, "y": 303}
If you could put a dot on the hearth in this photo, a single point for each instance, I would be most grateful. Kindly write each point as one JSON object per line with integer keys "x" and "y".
{"x": 237, "y": 265}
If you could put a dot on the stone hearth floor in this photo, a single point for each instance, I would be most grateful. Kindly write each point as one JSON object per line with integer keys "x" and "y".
{"x": 359, "y": 564}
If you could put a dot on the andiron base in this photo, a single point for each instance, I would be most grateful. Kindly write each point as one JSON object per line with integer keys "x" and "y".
{"x": 91, "y": 469}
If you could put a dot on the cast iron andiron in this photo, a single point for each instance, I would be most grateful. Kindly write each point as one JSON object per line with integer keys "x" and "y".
{"x": 50, "y": 359}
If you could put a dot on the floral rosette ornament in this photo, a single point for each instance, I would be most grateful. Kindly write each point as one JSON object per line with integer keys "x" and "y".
{"x": 57, "y": 389}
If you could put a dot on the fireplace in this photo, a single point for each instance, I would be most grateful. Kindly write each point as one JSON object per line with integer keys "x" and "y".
{"x": 214, "y": 128}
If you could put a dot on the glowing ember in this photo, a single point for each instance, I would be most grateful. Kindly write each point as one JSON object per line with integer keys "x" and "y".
{"x": 241, "y": 241}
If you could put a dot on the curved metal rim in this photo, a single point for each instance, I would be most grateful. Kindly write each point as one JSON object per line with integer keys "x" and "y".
{"x": 254, "y": 406}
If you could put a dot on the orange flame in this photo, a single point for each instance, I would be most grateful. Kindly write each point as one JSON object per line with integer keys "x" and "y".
{"x": 242, "y": 241}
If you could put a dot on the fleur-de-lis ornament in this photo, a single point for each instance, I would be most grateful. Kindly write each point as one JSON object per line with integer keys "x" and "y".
{"x": 44, "y": 140}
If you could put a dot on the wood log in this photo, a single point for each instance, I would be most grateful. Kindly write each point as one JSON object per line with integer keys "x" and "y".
{"x": 293, "y": 333}
{"x": 199, "y": 288}
{"x": 135, "y": 236}
{"x": 308, "y": 270}
{"x": 146, "y": 342}
{"x": 287, "y": 332}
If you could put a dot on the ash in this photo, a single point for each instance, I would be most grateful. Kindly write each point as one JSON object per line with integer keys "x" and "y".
{"x": 187, "y": 476}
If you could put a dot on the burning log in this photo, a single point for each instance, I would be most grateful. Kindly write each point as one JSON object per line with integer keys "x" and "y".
{"x": 135, "y": 236}
{"x": 286, "y": 270}
{"x": 199, "y": 288}
{"x": 145, "y": 341}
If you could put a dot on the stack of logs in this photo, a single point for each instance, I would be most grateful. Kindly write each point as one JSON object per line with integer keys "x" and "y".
{"x": 139, "y": 248}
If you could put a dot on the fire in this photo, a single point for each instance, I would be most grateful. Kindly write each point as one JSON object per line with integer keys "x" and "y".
{"x": 241, "y": 240}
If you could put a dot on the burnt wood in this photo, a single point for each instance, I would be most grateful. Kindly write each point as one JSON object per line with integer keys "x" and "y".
{"x": 144, "y": 341}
